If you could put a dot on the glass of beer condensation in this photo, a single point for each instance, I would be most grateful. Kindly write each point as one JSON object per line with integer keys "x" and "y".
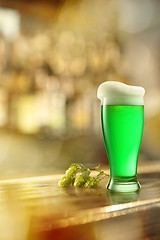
{"x": 122, "y": 118}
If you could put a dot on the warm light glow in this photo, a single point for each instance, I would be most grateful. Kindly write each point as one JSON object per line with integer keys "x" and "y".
{"x": 9, "y": 23}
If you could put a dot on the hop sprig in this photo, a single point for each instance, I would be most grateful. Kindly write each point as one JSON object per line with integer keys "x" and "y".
{"x": 84, "y": 179}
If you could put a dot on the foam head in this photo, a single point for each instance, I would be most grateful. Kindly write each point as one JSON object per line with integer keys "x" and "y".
{"x": 117, "y": 93}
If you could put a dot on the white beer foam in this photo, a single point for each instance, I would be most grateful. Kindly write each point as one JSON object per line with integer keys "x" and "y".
{"x": 117, "y": 93}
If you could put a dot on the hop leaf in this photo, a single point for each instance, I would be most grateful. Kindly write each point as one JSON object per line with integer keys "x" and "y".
{"x": 92, "y": 183}
{"x": 85, "y": 173}
{"x": 79, "y": 182}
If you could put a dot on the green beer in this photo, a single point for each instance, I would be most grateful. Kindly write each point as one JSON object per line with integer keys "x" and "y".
{"x": 122, "y": 121}
{"x": 122, "y": 128}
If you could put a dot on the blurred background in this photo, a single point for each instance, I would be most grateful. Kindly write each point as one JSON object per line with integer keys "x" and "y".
{"x": 53, "y": 56}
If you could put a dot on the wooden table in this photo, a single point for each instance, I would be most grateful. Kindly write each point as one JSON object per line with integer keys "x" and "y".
{"x": 35, "y": 208}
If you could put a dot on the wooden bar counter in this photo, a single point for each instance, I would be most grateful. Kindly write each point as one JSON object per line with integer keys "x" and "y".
{"x": 36, "y": 208}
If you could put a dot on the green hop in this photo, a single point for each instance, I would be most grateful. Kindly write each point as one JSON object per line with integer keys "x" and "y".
{"x": 92, "y": 183}
{"x": 77, "y": 165}
{"x": 71, "y": 172}
{"x": 79, "y": 182}
{"x": 64, "y": 182}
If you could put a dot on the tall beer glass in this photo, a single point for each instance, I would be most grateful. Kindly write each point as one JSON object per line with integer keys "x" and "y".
{"x": 122, "y": 118}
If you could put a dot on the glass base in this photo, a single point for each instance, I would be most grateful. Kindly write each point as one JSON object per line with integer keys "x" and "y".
{"x": 123, "y": 184}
